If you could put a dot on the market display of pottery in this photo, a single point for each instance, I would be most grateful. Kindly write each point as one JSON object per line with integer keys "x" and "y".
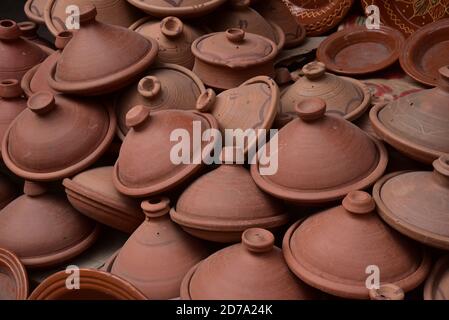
{"x": 224, "y": 150}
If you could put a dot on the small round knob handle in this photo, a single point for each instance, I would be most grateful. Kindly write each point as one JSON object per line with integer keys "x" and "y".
{"x": 359, "y": 202}
{"x": 444, "y": 78}
{"x": 41, "y": 102}
{"x": 171, "y": 27}
{"x": 62, "y": 38}
{"x": 387, "y": 292}
{"x": 28, "y": 28}
{"x": 9, "y": 30}
{"x": 258, "y": 240}
{"x": 88, "y": 12}
{"x": 314, "y": 70}
{"x": 149, "y": 86}
{"x": 10, "y": 88}
{"x": 206, "y": 100}
{"x": 156, "y": 207}
{"x": 441, "y": 165}
{"x": 136, "y": 116}
{"x": 311, "y": 109}
{"x": 232, "y": 155}
{"x": 34, "y": 189}
{"x": 235, "y": 35}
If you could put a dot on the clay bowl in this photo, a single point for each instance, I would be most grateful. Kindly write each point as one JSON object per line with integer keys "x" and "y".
{"x": 34, "y": 10}
{"x": 94, "y": 285}
{"x": 426, "y": 51}
{"x": 13, "y": 277}
{"x": 359, "y": 51}
{"x": 177, "y": 8}
{"x": 436, "y": 287}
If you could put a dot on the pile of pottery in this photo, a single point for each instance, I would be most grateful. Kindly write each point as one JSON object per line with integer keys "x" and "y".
{"x": 123, "y": 124}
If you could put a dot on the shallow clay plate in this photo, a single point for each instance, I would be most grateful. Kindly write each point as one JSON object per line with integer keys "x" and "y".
{"x": 13, "y": 277}
{"x": 426, "y": 51}
{"x": 437, "y": 284}
{"x": 357, "y": 50}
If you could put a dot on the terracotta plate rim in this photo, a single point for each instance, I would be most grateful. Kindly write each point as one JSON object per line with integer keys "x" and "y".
{"x": 31, "y": 15}
{"x": 13, "y": 264}
{"x": 431, "y": 283}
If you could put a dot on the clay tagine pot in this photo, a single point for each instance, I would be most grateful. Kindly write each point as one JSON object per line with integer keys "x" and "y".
{"x": 94, "y": 285}
{"x": 252, "y": 105}
{"x": 43, "y": 229}
{"x": 57, "y": 137}
{"x": 238, "y": 14}
{"x": 344, "y": 96}
{"x": 223, "y": 203}
{"x": 173, "y": 36}
{"x": 112, "y": 12}
{"x": 354, "y": 238}
{"x": 8, "y": 191}
{"x": 251, "y": 270}
{"x": 416, "y": 203}
{"x": 29, "y": 32}
{"x": 178, "y": 8}
{"x": 18, "y": 54}
{"x": 93, "y": 194}
{"x": 418, "y": 124}
{"x": 149, "y": 142}
{"x": 13, "y": 277}
{"x": 224, "y": 60}
{"x": 320, "y": 157}
{"x": 84, "y": 69}
{"x": 158, "y": 254}
{"x": 436, "y": 287}
{"x": 165, "y": 86}
{"x": 36, "y": 78}
{"x": 34, "y": 10}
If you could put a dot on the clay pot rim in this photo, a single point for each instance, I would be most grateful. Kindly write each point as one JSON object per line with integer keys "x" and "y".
{"x": 235, "y": 65}
{"x": 328, "y": 195}
{"x": 312, "y": 277}
{"x": 411, "y": 149}
{"x": 25, "y": 83}
{"x": 185, "y": 284}
{"x": 290, "y": 44}
{"x": 163, "y": 185}
{"x": 93, "y": 279}
{"x": 31, "y": 15}
{"x": 63, "y": 173}
{"x": 433, "y": 279}
{"x": 394, "y": 35}
{"x": 169, "y": 66}
{"x": 408, "y": 229}
{"x": 12, "y": 263}
{"x": 107, "y": 266}
{"x": 183, "y": 11}
{"x": 103, "y": 85}
{"x": 279, "y": 32}
{"x": 414, "y": 40}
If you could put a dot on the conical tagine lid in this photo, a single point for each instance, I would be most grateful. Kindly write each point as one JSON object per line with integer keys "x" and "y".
{"x": 92, "y": 64}
{"x": 57, "y": 137}
{"x": 344, "y": 96}
{"x": 252, "y": 270}
{"x": 178, "y": 8}
{"x": 417, "y": 203}
{"x": 338, "y": 249}
{"x": 158, "y": 254}
{"x": 320, "y": 158}
{"x": 13, "y": 277}
{"x": 43, "y": 229}
{"x": 418, "y": 124}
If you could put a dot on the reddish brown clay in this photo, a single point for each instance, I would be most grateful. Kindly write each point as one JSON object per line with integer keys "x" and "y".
{"x": 417, "y": 203}
{"x": 418, "y": 124}
{"x": 320, "y": 157}
{"x": 43, "y": 229}
{"x": 13, "y": 277}
{"x": 173, "y": 36}
{"x": 57, "y": 136}
{"x": 93, "y": 194}
{"x": 225, "y": 60}
{"x": 34, "y": 10}
{"x": 223, "y": 203}
{"x": 251, "y": 270}
{"x": 345, "y": 97}
{"x": 113, "y": 12}
{"x": 165, "y": 86}
{"x": 178, "y": 8}
{"x": 94, "y": 285}
{"x": 13, "y": 62}
{"x": 358, "y": 51}
{"x": 387, "y": 292}
{"x": 29, "y": 32}
{"x": 84, "y": 69}
{"x": 158, "y": 254}
{"x": 354, "y": 238}
{"x": 436, "y": 287}
{"x": 148, "y": 142}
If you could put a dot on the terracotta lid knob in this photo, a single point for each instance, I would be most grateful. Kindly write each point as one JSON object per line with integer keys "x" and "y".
{"x": 240, "y": 3}
{"x": 258, "y": 240}
{"x": 10, "y": 88}
{"x": 387, "y": 292}
{"x": 444, "y": 77}
{"x": 311, "y": 109}
{"x": 136, "y": 116}
{"x": 314, "y": 70}
{"x": 359, "y": 202}
{"x": 232, "y": 155}
{"x": 206, "y": 100}
{"x": 235, "y": 35}
{"x": 149, "y": 86}
{"x": 28, "y": 28}
{"x": 41, "y": 102}
{"x": 34, "y": 189}
{"x": 62, "y": 38}
{"x": 156, "y": 207}
{"x": 283, "y": 76}
{"x": 88, "y": 12}
{"x": 441, "y": 165}
{"x": 171, "y": 27}
{"x": 9, "y": 30}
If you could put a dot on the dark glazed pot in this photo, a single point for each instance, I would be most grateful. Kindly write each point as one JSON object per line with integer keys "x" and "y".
{"x": 13, "y": 277}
